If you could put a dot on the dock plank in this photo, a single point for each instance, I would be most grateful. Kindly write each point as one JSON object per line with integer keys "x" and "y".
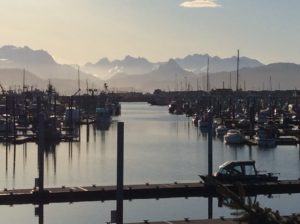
{"x": 204, "y": 221}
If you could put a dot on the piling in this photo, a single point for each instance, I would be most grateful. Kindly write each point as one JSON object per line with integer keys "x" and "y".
{"x": 210, "y": 162}
{"x": 39, "y": 211}
{"x": 41, "y": 142}
{"x": 14, "y": 116}
{"x": 120, "y": 172}
{"x": 210, "y": 155}
{"x": 87, "y": 130}
{"x": 6, "y": 119}
{"x": 210, "y": 207}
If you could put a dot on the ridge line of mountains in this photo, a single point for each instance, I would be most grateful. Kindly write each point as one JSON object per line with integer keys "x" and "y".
{"x": 139, "y": 74}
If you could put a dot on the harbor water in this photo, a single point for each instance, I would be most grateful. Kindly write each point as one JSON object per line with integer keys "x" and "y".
{"x": 159, "y": 148}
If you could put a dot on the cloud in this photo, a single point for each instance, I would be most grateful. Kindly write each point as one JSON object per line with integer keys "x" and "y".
{"x": 200, "y": 4}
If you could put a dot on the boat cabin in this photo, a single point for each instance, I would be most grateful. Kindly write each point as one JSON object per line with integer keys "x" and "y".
{"x": 234, "y": 168}
{"x": 243, "y": 171}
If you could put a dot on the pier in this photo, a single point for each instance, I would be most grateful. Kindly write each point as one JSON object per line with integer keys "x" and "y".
{"x": 204, "y": 221}
{"x": 144, "y": 191}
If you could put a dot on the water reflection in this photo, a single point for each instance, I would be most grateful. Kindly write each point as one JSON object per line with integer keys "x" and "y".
{"x": 138, "y": 210}
{"x": 210, "y": 207}
{"x": 99, "y": 212}
{"x": 50, "y": 155}
{"x": 39, "y": 212}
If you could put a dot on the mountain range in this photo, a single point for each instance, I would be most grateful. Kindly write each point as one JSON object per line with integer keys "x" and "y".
{"x": 196, "y": 63}
{"x": 105, "y": 68}
{"x": 39, "y": 62}
{"x": 139, "y": 74}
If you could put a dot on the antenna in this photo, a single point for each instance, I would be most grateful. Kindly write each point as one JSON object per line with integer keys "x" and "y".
{"x": 237, "y": 71}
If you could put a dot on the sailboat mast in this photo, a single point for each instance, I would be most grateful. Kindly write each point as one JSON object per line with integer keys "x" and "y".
{"x": 237, "y": 71}
{"x": 87, "y": 87}
{"x": 230, "y": 80}
{"x": 78, "y": 79}
{"x": 24, "y": 80}
{"x": 207, "y": 76}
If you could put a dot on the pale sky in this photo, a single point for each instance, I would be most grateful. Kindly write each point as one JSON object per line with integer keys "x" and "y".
{"x": 80, "y": 31}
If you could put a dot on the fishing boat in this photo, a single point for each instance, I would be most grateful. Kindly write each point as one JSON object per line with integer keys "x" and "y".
{"x": 234, "y": 136}
{"x": 203, "y": 122}
{"x": 263, "y": 116}
{"x": 195, "y": 119}
{"x": 6, "y": 125}
{"x": 265, "y": 138}
{"x": 103, "y": 118}
{"x": 242, "y": 171}
{"x": 221, "y": 130}
{"x": 72, "y": 115}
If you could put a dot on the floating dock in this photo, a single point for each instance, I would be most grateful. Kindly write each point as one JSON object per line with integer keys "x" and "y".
{"x": 186, "y": 221}
{"x": 145, "y": 191}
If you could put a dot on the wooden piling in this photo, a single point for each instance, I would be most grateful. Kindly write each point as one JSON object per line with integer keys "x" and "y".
{"x": 41, "y": 145}
{"x": 120, "y": 172}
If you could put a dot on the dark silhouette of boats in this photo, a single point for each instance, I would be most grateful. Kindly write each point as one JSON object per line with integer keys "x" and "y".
{"x": 103, "y": 118}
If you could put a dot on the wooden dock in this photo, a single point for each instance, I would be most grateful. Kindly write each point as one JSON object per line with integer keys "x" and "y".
{"x": 145, "y": 191}
{"x": 187, "y": 221}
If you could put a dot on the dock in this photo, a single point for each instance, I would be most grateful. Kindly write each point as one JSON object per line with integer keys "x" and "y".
{"x": 142, "y": 191}
{"x": 186, "y": 221}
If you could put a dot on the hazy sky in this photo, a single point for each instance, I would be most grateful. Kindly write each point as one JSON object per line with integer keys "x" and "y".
{"x": 78, "y": 31}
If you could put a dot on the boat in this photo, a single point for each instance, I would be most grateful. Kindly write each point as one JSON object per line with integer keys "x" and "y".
{"x": 7, "y": 126}
{"x": 243, "y": 124}
{"x": 265, "y": 138}
{"x": 195, "y": 119}
{"x": 52, "y": 130}
{"x": 72, "y": 115}
{"x": 114, "y": 109}
{"x": 234, "y": 136}
{"x": 242, "y": 171}
{"x": 203, "y": 123}
{"x": 175, "y": 108}
{"x": 263, "y": 116}
{"x": 103, "y": 118}
{"x": 221, "y": 130}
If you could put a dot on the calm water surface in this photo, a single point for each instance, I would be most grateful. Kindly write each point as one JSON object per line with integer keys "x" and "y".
{"x": 159, "y": 148}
